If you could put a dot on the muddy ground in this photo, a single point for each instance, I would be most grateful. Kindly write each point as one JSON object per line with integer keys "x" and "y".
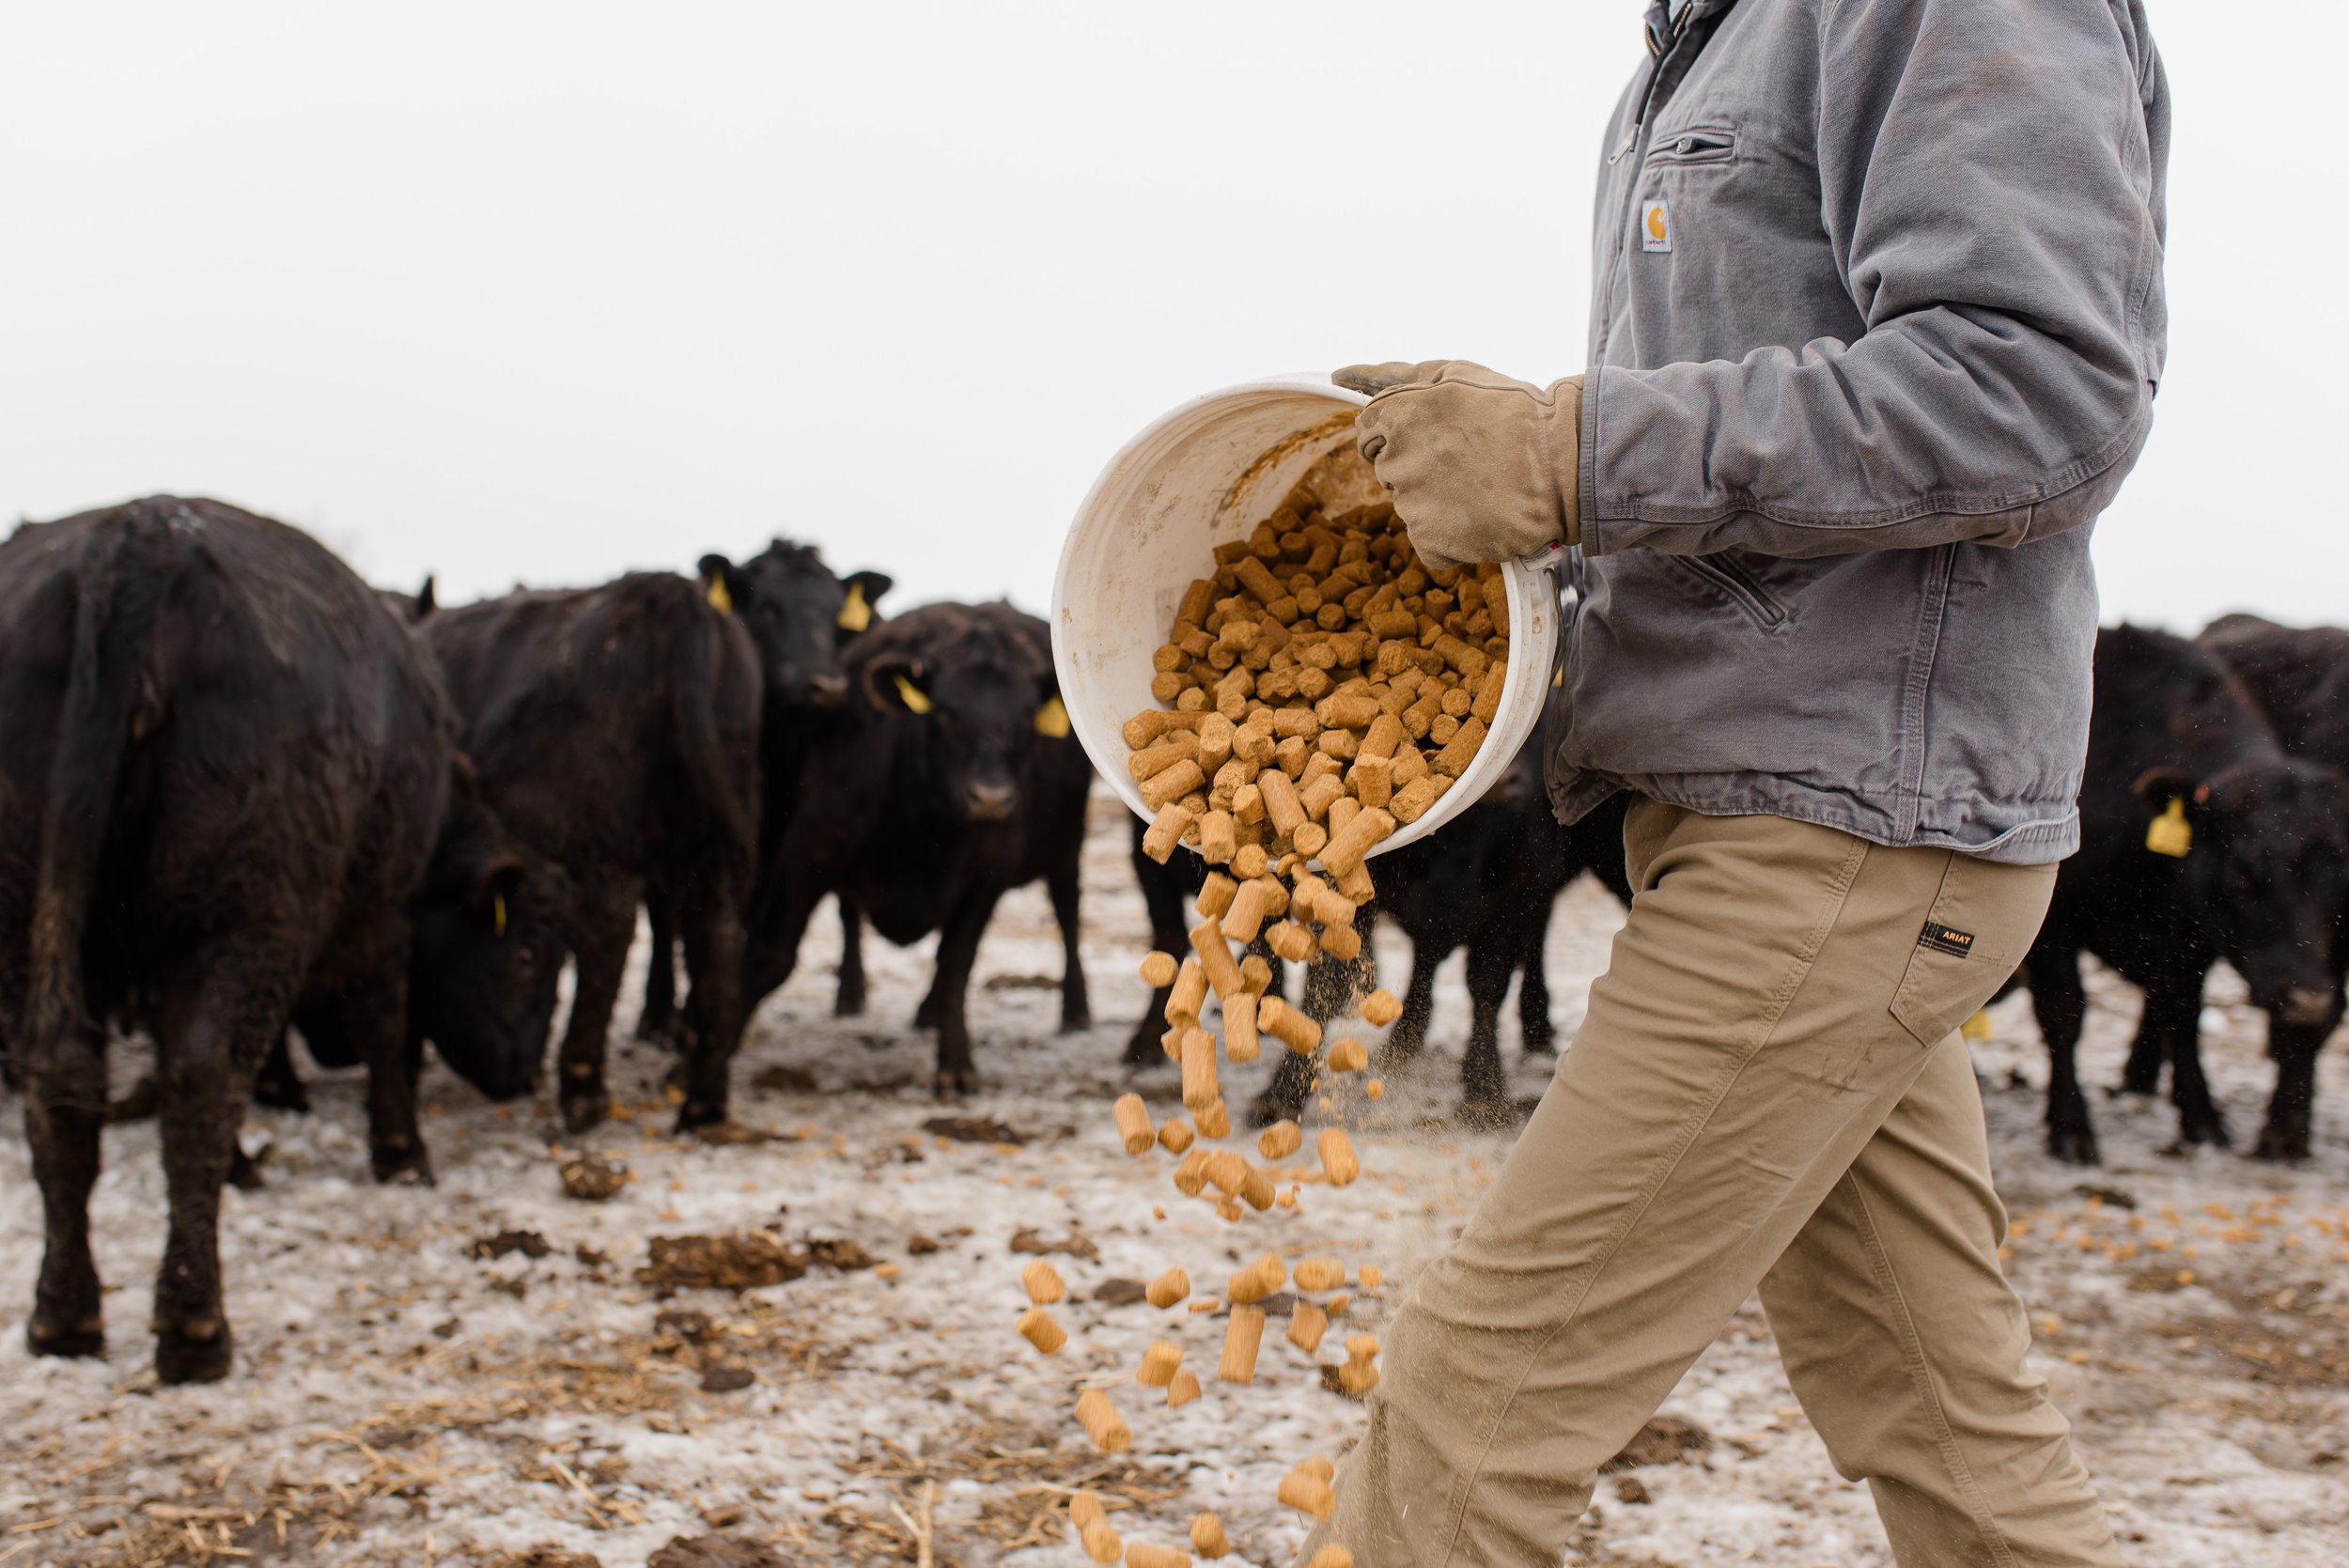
{"x": 491, "y": 1371}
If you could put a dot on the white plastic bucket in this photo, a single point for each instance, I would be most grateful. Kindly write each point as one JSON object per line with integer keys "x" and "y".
{"x": 1205, "y": 473}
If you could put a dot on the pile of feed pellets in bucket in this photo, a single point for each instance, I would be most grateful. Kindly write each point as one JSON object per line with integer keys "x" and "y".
{"x": 1323, "y": 687}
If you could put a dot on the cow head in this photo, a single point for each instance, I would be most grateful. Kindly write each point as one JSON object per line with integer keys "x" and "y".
{"x": 799, "y": 615}
{"x": 489, "y": 946}
{"x": 2265, "y": 846}
{"x": 968, "y": 690}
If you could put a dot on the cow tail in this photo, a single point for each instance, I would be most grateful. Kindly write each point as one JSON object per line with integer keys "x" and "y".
{"x": 695, "y": 694}
{"x": 126, "y": 570}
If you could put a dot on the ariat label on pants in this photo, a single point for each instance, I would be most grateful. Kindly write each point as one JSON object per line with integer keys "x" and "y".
{"x": 1946, "y": 938}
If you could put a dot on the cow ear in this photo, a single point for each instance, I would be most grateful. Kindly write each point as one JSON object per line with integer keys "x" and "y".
{"x": 721, "y": 582}
{"x": 863, "y": 590}
{"x": 427, "y": 599}
{"x": 2177, "y": 808}
{"x": 498, "y": 882}
{"x": 895, "y": 685}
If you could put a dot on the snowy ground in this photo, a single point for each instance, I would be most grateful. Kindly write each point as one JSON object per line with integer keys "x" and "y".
{"x": 399, "y": 1399}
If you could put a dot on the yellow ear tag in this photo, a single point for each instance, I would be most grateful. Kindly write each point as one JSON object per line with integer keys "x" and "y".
{"x": 1052, "y": 720}
{"x": 855, "y": 614}
{"x": 2170, "y": 833}
{"x": 1977, "y": 1027}
{"x": 720, "y": 597}
{"x": 497, "y": 912}
{"x": 912, "y": 696}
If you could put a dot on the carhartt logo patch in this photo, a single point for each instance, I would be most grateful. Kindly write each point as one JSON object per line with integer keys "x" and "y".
{"x": 1946, "y": 938}
{"x": 1655, "y": 226}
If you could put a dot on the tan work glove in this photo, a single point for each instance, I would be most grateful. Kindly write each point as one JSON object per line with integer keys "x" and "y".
{"x": 1483, "y": 468}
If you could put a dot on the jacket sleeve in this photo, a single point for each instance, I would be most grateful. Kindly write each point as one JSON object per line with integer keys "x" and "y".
{"x": 1990, "y": 176}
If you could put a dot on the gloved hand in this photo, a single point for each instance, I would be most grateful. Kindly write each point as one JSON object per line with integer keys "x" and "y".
{"x": 1483, "y": 468}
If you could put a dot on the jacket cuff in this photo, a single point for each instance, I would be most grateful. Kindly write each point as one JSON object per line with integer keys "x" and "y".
{"x": 1586, "y": 466}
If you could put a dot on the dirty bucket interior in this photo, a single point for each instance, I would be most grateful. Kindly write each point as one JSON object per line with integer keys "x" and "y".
{"x": 1204, "y": 475}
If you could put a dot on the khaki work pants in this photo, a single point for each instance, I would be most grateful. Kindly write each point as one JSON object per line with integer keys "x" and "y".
{"x": 1765, "y": 1090}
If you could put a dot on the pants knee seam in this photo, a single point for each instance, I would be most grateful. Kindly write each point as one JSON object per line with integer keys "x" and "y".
{"x": 1921, "y": 1379}
{"x": 1806, "y": 958}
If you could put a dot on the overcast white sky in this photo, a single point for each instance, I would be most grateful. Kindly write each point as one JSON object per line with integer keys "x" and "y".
{"x": 542, "y": 292}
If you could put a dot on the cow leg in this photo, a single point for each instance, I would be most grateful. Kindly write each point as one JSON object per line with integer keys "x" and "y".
{"x": 207, "y": 1054}
{"x": 1483, "y": 1083}
{"x": 374, "y": 1007}
{"x": 656, "y": 1020}
{"x": 1162, "y": 899}
{"x": 1419, "y": 1001}
{"x": 957, "y": 950}
{"x": 1076, "y": 1007}
{"x": 1284, "y": 1099}
{"x": 278, "y": 1084}
{"x": 713, "y": 966}
{"x": 606, "y": 922}
{"x": 2289, "y": 1110}
{"x": 770, "y": 946}
{"x": 1541, "y": 1035}
{"x": 848, "y": 1000}
{"x": 65, "y": 1108}
{"x": 2173, "y": 1016}
{"x": 2060, "y": 1003}
{"x": 2167, "y": 1015}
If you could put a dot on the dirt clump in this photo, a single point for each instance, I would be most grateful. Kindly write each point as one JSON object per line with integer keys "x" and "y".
{"x": 742, "y": 1261}
{"x": 1664, "y": 1440}
{"x": 973, "y": 1129}
{"x": 488, "y": 1248}
{"x": 592, "y": 1179}
{"x": 715, "y": 1551}
{"x": 1076, "y": 1245}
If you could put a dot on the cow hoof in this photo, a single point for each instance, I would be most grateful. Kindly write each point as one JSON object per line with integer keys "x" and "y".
{"x": 925, "y": 1015}
{"x": 696, "y": 1117}
{"x": 583, "y": 1110}
{"x": 1402, "y": 1047}
{"x": 847, "y": 1007}
{"x": 197, "y": 1351}
{"x": 2274, "y": 1145}
{"x": 955, "y": 1082}
{"x": 2071, "y": 1145}
{"x": 43, "y": 1337}
{"x": 1267, "y": 1108}
{"x": 1076, "y": 1021}
{"x": 1142, "y": 1050}
{"x": 280, "y": 1093}
{"x": 1546, "y": 1045}
{"x": 1479, "y": 1115}
{"x": 2210, "y": 1129}
{"x": 401, "y": 1168}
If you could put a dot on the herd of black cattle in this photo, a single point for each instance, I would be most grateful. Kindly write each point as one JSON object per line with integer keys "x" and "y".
{"x": 241, "y": 791}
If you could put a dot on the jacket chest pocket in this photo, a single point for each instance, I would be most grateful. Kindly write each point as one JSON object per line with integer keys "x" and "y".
{"x": 1697, "y": 146}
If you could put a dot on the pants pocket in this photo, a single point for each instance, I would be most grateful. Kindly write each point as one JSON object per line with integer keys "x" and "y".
{"x": 1982, "y": 920}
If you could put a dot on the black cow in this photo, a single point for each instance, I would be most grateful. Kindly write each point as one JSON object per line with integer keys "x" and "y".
{"x": 800, "y": 616}
{"x": 2299, "y": 676}
{"x": 1488, "y": 880}
{"x": 922, "y": 804}
{"x": 2180, "y": 759}
{"x": 615, "y": 731}
{"x": 224, "y": 775}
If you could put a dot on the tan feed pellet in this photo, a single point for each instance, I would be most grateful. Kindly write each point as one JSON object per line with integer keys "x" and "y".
{"x": 1307, "y": 1493}
{"x": 1280, "y": 1141}
{"x": 1175, "y": 1134}
{"x": 1331, "y": 1555}
{"x": 1182, "y": 1391}
{"x": 1036, "y": 1326}
{"x": 1158, "y": 1362}
{"x": 1133, "y": 1124}
{"x": 1042, "y": 1283}
{"x": 1158, "y": 968}
{"x": 1168, "y": 1288}
{"x": 1243, "y": 1331}
{"x": 1143, "y": 1554}
{"x": 1318, "y": 1274}
{"x": 1207, "y": 1536}
{"x": 1102, "y": 1423}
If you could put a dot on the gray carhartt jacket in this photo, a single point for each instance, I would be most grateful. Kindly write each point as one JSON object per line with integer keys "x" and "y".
{"x": 1877, "y": 321}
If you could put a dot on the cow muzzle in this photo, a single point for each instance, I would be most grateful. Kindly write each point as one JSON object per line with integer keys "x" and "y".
{"x": 828, "y": 691}
{"x": 989, "y": 803}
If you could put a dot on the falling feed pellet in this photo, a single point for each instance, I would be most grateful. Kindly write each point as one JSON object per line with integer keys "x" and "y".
{"x": 1101, "y": 1543}
{"x": 1306, "y": 1492}
{"x": 1337, "y": 1156}
{"x": 1175, "y": 1134}
{"x": 1280, "y": 1141}
{"x": 1168, "y": 1288}
{"x": 1042, "y": 1283}
{"x": 1307, "y": 1324}
{"x": 1133, "y": 1124}
{"x": 1332, "y": 1555}
{"x": 1102, "y": 1423}
{"x": 1036, "y": 1326}
{"x": 1158, "y": 1362}
{"x": 1243, "y": 1331}
{"x": 1207, "y": 1536}
{"x": 1158, "y": 968}
{"x": 1143, "y": 1554}
{"x": 1182, "y": 1391}
{"x": 1319, "y": 1274}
